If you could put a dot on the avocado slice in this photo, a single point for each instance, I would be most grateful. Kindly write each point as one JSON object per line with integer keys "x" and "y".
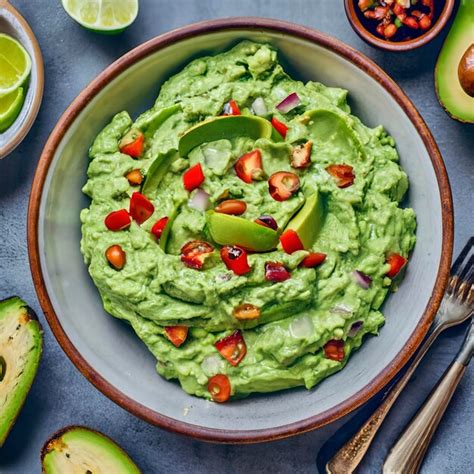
{"x": 157, "y": 171}
{"x": 451, "y": 95}
{"x": 80, "y": 449}
{"x": 149, "y": 122}
{"x": 307, "y": 222}
{"x": 21, "y": 344}
{"x": 226, "y": 126}
{"x": 226, "y": 229}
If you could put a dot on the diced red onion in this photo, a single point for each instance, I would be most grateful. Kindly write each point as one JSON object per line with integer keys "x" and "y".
{"x": 199, "y": 201}
{"x": 302, "y": 327}
{"x": 259, "y": 107}
{"x": 211, "y": 365}
{"x": 363, "y": 280}
{"x": 355, "y": 328}
{"x": 289, "y": 103}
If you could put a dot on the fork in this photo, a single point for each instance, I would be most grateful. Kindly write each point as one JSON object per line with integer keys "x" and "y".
{"x": 456, "y": 307}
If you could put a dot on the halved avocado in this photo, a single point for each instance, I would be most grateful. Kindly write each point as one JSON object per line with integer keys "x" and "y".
{"x": 21, "y": 344}
{"x": 232, "y": 230}
{"x": 307, "y": 223}
{"x": 226, "y": 126}
{"x": 82, "y": 450}
{"x": 455, "y": 63}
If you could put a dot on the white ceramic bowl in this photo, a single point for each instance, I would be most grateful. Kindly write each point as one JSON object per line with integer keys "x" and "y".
{"x": 106, "y": 351}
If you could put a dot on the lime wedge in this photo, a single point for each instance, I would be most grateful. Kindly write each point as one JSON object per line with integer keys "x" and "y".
{"x": 10, "y": 106}
{"x": 102, "y": 16}
{"x": 15, "y": 64}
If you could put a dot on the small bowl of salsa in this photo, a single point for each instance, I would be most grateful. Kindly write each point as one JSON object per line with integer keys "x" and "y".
{"x": 398, "y": 25}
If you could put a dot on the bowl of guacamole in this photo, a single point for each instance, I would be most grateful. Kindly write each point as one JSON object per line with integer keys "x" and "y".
{"x": 250, "y": 217}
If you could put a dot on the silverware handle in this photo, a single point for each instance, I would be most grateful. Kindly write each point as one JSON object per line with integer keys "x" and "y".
{"x": 409, "y": 451}
{"x": 351, "y": 454}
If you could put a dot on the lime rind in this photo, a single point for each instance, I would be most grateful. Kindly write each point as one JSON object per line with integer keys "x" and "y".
{"x": 102, "y": 16}
{"x": 10, "y": 62}
{"x": 10, "y": 108}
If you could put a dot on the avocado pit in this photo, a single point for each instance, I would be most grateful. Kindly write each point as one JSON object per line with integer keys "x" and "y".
{"x": 466, "y": 71}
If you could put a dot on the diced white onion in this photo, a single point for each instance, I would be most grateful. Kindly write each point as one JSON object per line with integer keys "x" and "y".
{"x": 342, "y": 309}
{"x": 213, "y": 157}
{"x": 212, "y": 365}
{"x": 199, "y": 200}
{"x": 259, "y": 107}
{"x": 302, "y": 327}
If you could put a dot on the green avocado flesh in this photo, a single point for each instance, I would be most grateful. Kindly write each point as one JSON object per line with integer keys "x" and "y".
{"x": 21, "y": 344}
{"x": 356, "y": 227}
{"x": 451, "y": 95}
{"x": 81, "y": 450}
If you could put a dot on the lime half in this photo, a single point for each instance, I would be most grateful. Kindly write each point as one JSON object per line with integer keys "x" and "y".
{"x": 15, "y": 64}
{"x": 102, "y": 16}
{"x": 10, "y": 106}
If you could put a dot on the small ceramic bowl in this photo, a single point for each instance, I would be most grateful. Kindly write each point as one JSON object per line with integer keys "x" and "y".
{"x": 13, "y": 24}
{"x": 107, "y": 352}
{"x": 354, "y": 17}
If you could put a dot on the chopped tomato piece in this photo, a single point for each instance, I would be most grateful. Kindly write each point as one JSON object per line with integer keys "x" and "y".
{"x": 219, "y": 388}
{"x": 342, "y": 174}
{"x": 249, "y": 167}
{"x": 193, "y": 177}
{"x": 313, "y": 259}
{"x": 176, "y": 334}
{"x": 334, "y": 350}
{"x": 282, "y": 185}
{"x": 246, "y": 311}
{"x": 233, "y": 207}
{"x": 396, "y": 262}
{"x": 280, "y": 127}
{"x": 134, "y": 177}
{"x": 118, "y": 220}
{"x": 116, "y": 257}
{"x": 267, "y": 221}
{"x": 159, "y": 227}
{"x": 276, "y": 271}
{"x": 231, "y": 108}
{"x": 141, "y": 208}
{"x": 232, "y": 347}
{"x": 235, "y": 259}
{"x": 290, "y": 241}
{"x": 195, "y": 253}
{"x": 301, "y": 155}
{"x": 132, "y": 143}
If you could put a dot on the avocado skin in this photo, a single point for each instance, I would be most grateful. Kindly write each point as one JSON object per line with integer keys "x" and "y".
{"x": 127, "y": 465}
{"x": 452, "y": 97}
{"x": 16, "y": 306}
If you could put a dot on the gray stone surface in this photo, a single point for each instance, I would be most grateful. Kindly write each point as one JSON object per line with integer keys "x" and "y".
{"x": 61, "y": 396}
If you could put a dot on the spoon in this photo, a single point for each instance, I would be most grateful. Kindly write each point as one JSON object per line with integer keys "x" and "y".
{"x": 13, "y": 24}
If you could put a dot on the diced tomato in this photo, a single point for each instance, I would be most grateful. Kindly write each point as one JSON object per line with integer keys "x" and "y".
{"x": 398, "y": 9}
{"x": 301, "y": 155}
{"x": 134, "y": 177}
{"x": 141, "y": 208}
{"x": 290, "y": 241}
{"x": 249, "y": 167}
{"x": 118, "y": 220}
{"x": 280, "y": 127}
{"x": 195, "y": 253}
{"x": 231, "y": 108}
{"x": 232, "y": 347}
{"x": 235, "y": 259}
{"x": 159, "y": 227}
{"x": 132, "y": 143}
{"x": 219, "y": 388}
{"x": 246, "y": 311}
{"x": 176, "y": 334}
{"x": 396, "y": 262}
{"x": 282, "y": 185}
{"x": 276, "y": 271}
{"x": 342, "y": 174}
{"x": 313, "y": 259}
{"x": 334, "y": 350}
{"x": 193, "y": 177}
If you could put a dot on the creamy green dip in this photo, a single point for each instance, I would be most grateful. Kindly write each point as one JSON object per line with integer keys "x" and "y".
{"x": 361, "y": 225}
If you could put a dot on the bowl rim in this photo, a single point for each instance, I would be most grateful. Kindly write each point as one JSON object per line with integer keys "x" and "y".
{"x": 406, "y": 45}
{"x": 37, "y": 64}
{"x": 111, "y": 72}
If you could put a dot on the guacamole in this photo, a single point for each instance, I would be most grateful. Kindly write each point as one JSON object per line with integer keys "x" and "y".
{"x": 248, "y": 226}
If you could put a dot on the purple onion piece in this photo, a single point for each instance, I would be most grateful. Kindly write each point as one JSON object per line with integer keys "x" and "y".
{"x": 289, "y": 103}
{"x": 363, "y": 280}
{"x": 200, "y": 200}
{"x": 355, "y": 328}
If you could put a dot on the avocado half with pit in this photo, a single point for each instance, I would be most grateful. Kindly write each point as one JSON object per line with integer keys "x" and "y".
{"x": 80, "y": 449}
{"x": 454, "y": 72}
{"x": 21, "y": 344}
